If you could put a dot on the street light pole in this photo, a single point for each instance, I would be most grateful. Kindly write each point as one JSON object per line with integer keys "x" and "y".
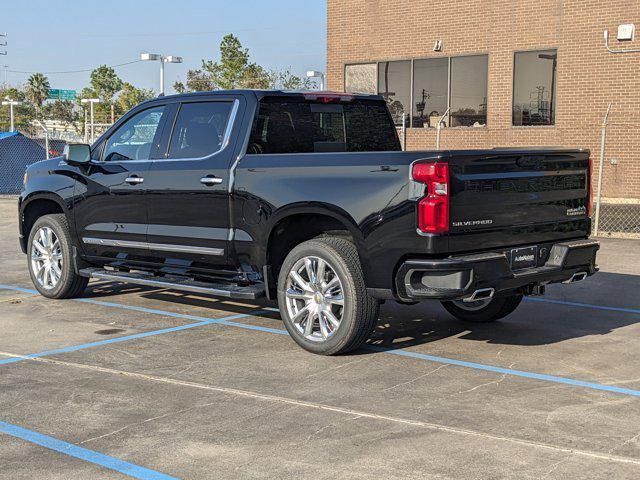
{"x": 91, "y": 101}
{"x": 162, "y": 59}
{"x": 11, "y": 104}
{"x": 317, "y": 74}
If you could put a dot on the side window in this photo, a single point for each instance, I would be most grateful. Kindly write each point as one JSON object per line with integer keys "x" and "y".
{"x": 134, "y": 139}
{"x": 199, "y": 129}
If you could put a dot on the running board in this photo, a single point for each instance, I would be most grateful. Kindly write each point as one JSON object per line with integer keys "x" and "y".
{"x": 228, "y": 290}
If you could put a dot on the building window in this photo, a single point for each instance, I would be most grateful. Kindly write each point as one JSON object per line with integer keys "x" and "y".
{"x": 394, "y": 84}
{"x": 457, "y": 85}
{"x": 360, "y": 78}
{"x": 534, "y": 87}
{"x": 430, "y": 91}
{"x": 469, "y": 91}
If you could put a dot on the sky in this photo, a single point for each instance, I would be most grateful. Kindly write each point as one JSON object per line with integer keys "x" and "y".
{"x": 64, "y": 35}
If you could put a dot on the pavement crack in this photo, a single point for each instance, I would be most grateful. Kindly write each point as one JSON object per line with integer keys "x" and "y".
{"x": 623, "y": 444}
{"x": 416, "y": 378}
{"x": 143, "y": 422}
{"x": 494, "y": 382}
{"x": 345, "y": 411}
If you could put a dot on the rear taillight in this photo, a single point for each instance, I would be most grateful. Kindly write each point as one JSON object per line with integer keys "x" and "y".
{"x": 433, "y": 209}
{"x": 590, "y": 180}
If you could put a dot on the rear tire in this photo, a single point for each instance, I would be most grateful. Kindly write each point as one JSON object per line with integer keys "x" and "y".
{"x": 323, "y": 299}
{"x": 50, "y": 258}
{"x": 476, "y": 312}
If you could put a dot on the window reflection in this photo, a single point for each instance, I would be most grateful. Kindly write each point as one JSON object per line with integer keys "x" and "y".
{"x": 469, "y": 91}
{"x": 394, "y": 84}
{"x": 534, "y": 87}
{"x": 430, "y": 90}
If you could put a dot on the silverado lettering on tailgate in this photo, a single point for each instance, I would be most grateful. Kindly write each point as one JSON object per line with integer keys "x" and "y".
{"x": 527, "y": 185}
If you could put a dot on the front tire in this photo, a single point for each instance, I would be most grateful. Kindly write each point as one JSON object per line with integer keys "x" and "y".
{"x": 323, "y": 299}
{"x": 483, "y": 311}
{"x": 50, "y": 258}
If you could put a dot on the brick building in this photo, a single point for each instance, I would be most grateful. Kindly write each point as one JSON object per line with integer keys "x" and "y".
{"x": 511, "y": 72}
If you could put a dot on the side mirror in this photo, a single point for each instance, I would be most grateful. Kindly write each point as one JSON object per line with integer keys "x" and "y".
{"x": 77, "y": 153}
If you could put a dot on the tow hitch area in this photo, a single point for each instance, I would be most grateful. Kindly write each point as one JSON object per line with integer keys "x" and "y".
{"x": 481, "y": 276}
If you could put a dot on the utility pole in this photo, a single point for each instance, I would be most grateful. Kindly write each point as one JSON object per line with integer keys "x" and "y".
{"x": 11, "y": 104}
{"x": 91, "y": 101}
{"x": 3, "y": 44}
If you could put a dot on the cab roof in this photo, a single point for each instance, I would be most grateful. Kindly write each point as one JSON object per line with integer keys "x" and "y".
{"x": 259, "y": 94}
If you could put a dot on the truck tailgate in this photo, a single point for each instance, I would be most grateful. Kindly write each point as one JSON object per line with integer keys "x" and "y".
{"x": 516, "y": 197}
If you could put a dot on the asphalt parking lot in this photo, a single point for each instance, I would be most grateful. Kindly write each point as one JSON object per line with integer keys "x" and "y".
{"x": 159, "y": 384}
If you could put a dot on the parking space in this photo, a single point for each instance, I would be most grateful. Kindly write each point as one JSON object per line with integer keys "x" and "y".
{"x": 154, "y": 383}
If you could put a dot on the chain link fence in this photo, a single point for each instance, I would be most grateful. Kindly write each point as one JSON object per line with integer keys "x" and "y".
{"x": 617, "y": 171}
{"x": 37, "y": 139}
{"x": 619, "y": 219}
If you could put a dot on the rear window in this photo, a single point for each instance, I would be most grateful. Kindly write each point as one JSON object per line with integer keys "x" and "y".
{"x": 294, "y": 125}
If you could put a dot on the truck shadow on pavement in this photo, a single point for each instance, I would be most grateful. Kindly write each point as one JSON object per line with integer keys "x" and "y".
{"x": 402, "y": 326}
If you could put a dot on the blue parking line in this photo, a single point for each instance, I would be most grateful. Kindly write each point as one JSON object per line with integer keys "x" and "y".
{"x": 400, "y": 352}
{"x": 462, "y": 363}
{"x": 583, "y": 305}
{"x": 126, "y": 468}
{"x": 506, "y": 371}
{"x": 199, "y": 322}
{"x": 126, "y": 338}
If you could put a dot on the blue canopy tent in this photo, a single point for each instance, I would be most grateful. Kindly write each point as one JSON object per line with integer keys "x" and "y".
{"x": 16, "y": 153}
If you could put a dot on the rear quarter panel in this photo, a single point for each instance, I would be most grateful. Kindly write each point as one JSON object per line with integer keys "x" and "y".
{"x": 368, "y": 192}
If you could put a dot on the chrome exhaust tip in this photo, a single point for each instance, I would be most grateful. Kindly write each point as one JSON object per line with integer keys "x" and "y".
{"x": 480, "y": 294}
{"x": 577, "y": 277}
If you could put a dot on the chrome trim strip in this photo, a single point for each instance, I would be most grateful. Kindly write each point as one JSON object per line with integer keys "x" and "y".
{"x": 232, "y": 119}
{"x": 166, "y": 247}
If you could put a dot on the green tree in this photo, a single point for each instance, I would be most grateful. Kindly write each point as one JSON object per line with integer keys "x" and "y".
{"x": 63, "y": 110}
{"x": 37, "y": 89}
{"x": 131, "y": 96}
{"x": 234, "y": 69}
{"x": 23, "y": 113}
{"x": 12, "y": 93}
{"x": 290, "y": 81}
{"x": 197, "y": 81}
{"x": 105, "y": 83}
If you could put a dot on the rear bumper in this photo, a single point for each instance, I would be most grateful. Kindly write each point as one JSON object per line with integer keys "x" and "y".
{"x": 458, "y": 277}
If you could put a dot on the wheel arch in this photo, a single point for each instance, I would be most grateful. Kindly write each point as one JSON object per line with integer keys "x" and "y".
{"x": 297, "y": 223}
{"x": 35, "y": 206}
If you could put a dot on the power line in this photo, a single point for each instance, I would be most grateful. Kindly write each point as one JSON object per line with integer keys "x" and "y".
{"x": 196, "y": 33}
{"x": 249, "y": 59}
{"x": 76, "y": 71}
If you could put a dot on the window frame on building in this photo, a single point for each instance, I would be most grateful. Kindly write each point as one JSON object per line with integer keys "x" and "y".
{"x": 554, "y": 88}
{"x": 412, "y": 61}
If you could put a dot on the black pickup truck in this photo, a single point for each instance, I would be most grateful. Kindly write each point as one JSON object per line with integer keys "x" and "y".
{"x": 306, "y": 198}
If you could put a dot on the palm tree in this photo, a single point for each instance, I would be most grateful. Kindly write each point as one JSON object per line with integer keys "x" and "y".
{"x": 38, "y": 89}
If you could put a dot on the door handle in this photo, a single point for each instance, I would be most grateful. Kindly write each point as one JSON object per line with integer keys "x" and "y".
{"x": 210, "y": 180}
{"x": 134, "y": 180}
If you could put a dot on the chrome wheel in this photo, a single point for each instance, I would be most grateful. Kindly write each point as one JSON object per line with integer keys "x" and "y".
{"x": 472, "y": 306}
{"x": 46, "y": 258}
{"x": 315, "y": 298}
